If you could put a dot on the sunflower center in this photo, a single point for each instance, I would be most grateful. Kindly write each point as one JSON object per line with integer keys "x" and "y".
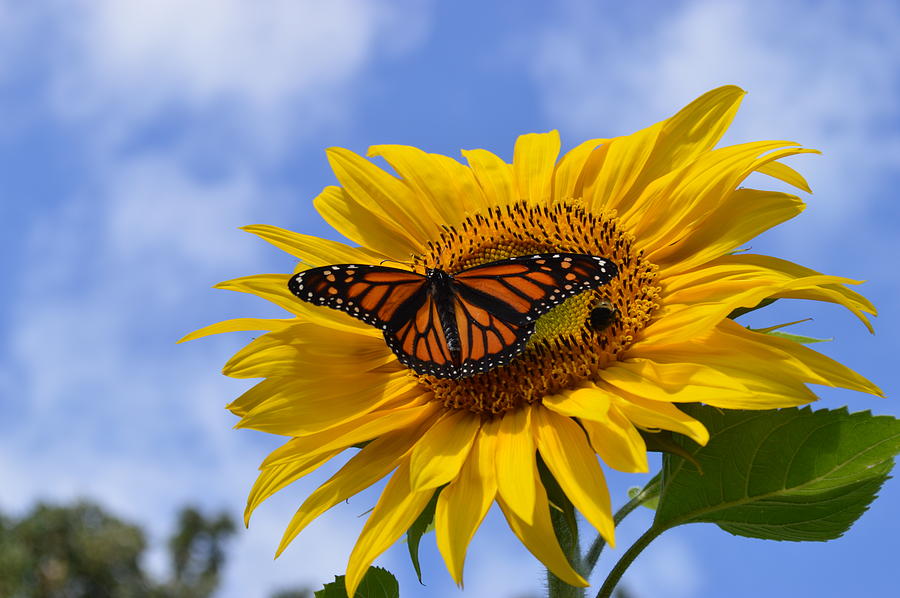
{"x": 574, "y": 341}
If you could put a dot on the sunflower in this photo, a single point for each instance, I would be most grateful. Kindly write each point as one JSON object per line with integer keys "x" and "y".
{"x": 605, "y": 365}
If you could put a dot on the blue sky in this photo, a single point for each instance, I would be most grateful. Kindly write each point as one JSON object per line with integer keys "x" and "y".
{"x": 136, "y": 137}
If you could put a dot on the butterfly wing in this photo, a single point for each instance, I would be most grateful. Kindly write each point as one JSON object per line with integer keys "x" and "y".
{"x": 496, "y": 304}
{"x": 379, "y": 296}
{"x": 420, "y": 340}
{"x": 481, "y": 319}
{"x": 396, "y": 301}
{"x": 486, "y": 340}
{"x": 520, "y": 289}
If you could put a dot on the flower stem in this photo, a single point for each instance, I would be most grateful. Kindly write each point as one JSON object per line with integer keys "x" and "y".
{"x": 633, "y": 551}
{"x": 565, "y": 525}
{"x": 651, "y": 490}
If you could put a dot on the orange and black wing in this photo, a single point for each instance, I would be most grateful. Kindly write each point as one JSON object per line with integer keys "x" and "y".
{"x": 496, "y": 304}
{"x": 486, "y": 340}
{"x": 520, "y": 289}
{"x": 396, "y": 301}
{"x": 373, "y": 294}
{"x": 481, "y": 320}
{"x": 420, "y": 340}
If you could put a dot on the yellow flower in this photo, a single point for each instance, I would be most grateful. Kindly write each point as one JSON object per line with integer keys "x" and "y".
{"x": 662, "y": 204}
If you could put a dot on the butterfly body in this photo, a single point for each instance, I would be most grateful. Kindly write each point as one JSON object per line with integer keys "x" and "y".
{"x": 454, "y": 325}
{"x": 440, "y": 288}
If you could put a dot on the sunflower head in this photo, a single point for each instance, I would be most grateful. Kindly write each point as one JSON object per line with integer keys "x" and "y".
{"x": 592, "y": 373}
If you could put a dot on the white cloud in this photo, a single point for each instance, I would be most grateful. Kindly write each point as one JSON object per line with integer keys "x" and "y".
{"x": 104, "y": 289}
{"x": 261, "y": 72}
{"x": 173, "y": 105}
{"x": 156, "y": 207}
{"x": 108, "y": 406}
{"x": 823, "y": 74}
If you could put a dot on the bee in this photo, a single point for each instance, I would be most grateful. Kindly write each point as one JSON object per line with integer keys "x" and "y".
{"x": 602, "y": 316}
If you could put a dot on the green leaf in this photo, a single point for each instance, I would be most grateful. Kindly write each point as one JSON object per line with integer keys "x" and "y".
{"x": 737, "y": 313}
{"x": 663, "y": 441}
{"x": 788, "y": 474}
{"x": 377, "y": 583}
{"x": 776, "y": 331}
{"x": 806, "y": 340}
{"x": 422, "y": 525}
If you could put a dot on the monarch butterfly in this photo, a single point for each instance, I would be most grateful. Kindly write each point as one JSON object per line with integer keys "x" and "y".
{"x": 454, "y": 325}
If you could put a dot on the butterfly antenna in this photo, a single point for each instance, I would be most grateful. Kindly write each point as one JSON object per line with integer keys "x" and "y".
{"x": 410, "y": 265}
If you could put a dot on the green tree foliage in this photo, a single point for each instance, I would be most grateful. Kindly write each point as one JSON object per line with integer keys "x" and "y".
{"x": 80, "y": 551}
{"x": 62, "y": 552}
{"x": 198, "y": 553}
{"x": 293, "y": 594}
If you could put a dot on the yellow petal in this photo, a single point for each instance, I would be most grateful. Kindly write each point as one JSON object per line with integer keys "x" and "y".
{"x": 238, "y": 325}
{"x": 540, "y": 539}
{"x": 673, "y": 205}
{"x": 465, "y": 501}
{"x": 787, "y": 268}
{"x": 792, "y": 358}
{"x": 588, "y": 402}
{"x": 253, "y": 396}
{"x": 565, "y": 450}
{"x": 835, "y": 292}
{"x": 297, "y": 408}
{"x": 664, "y": 416}
{"x": 694, "y": 130}
{"x": 367, "y": 427}
{"x": 570, "y": 168}
{"x": 618, "y": 442}
{"x": 273, "y": 479}
{"x": 831, "y": 293}
{"x": 309, "y": 350}
{"x": 674, "y": 142}
{"x": 745, "y": 214}
{"x": 624, "y": 159}
{"x": 516, "y": 467}
{"x": 383, "y": 194}
{"x": 494, "y": 176}
{"x": 443, "y": 449}
{"x": 395, "y": 511}
{"x": 588, "y": 177}
{"x": 471, "y": 197}
{"x": 696, "y": 301}
{"x": 272, "y": 287}
{"x": 302, "y": 383}
{"x": 365, "y": 225}
{"x": 314, "y": 251}
{"x": 534, "y": 161}
{"x": 723, "y": 386}
{"x": 445, "y": 188}
{"x": 785, "y": 173}
{"x": 369, "y": 465}
{"x": 611, "y": 435}
{"x": 265, "y": 357}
